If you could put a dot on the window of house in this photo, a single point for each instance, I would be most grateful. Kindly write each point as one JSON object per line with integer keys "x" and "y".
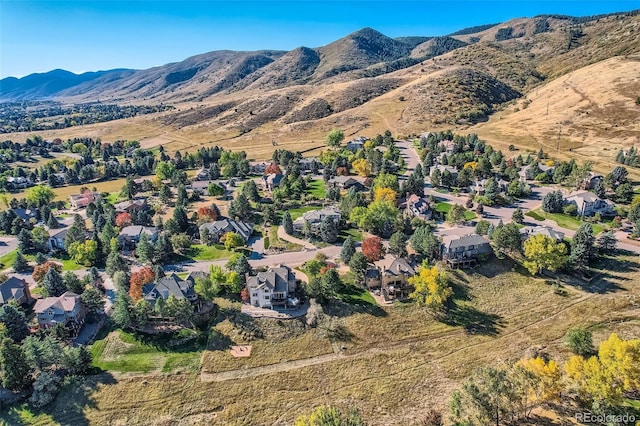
{"x": 254, "y": 294}
{"x": 266, "y": 298}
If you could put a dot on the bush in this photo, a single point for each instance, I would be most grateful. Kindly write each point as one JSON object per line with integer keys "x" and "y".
{"x": 580, "y": 341}
{"x": 570, "y": 209}
{"x": 45, "y": 389}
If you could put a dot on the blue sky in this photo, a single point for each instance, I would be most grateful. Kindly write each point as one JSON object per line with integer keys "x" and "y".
{"x": 85, "y": 35}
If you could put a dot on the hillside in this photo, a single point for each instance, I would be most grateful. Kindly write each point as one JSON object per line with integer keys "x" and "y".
{"x": 367, "y": 82}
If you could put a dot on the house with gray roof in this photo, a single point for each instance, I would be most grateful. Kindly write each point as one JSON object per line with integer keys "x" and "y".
{"x": 131, "y": 205}
{"x": 25, "y": 214}
{"x": 14, "y": 289}
{"x": 588, "y": 204}
{"x": 346, "y": 182}
{"x": 220, "y": 227}
{"x": 56, "y": 239}
{"x": 274, "y": 287}
{"x": 172, "y": 285}
{"x": 315, "y": 218}
{"x": 356, "y": 144}
{"x": 464, "y": 250}
{"x": 271, "y": 181}
{"x": 418, "y": 207}
{"x": 67, "y": 310}
{"x": 130, "y": 235}
{"x": 529, "y": 231}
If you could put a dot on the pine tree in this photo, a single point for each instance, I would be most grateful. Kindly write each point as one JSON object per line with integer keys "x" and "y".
{"x": 518, "y": 216}
{"x": 40, "y": 258}
{"x": 20, "y": 264}
{"x": 15, "y": 322}
{"x": 122, "y": 310}
{"x": 182, "y": 198}
{"x": 348, "y": 250}
{"x": 328, "y": 230}
{"x": 144, "y": 249}
{"x": 582, "y": 247}
{"x": 53, "y": 283}
{"x": 52, "y": 222}
{"x": 24, "y": 240}
{"x": 398, "y": 244}
{"x": 16, "y": 374}
{"x": 287, "y": 223}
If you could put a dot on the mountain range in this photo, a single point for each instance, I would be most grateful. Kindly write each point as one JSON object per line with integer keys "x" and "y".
{"x": 362, "y": 82}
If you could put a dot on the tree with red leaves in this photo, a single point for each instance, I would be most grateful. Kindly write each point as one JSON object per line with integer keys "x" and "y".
{"x": 342, "y": 171}
{"x": 41, "y": 270}
{"x": 138, "y": 279}
{"x": 372, "y": 248}
{"x": 208, "y": 214}
{"x": 273, "y": 168}
{"x": 123, "y": 220}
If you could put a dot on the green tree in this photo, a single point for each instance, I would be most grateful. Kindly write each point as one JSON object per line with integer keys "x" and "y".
{"x": 181, "y": 243}
{"x": 607, "y": 241}
{"x": 164, "y": 170}
{"x": 92, "y": 300}
{"x": 20, "y": 264}
{"x": 518, "y": 216}
{"x": 329, "y": 230}
{"x": 39, "y": 238}
{"x": 207, "y": 289}
{"x": 182, "y": 198}
{"x": 398, "y": 244}
{"x": 24, "y": 240}
{"x": 250, "y": 190}
{"x": 455, "y": 215}
{"x": 582, "y": 247}
{"x": 53, "y": 283}
{"x": 331, "y": 283}
{"x": 122, "y": 310}
{"x": 129, "y": 189}
{"x": 287, "y": 223}
{"x": 144, "y": 249}
{"x": 358, "y": 265}
{"x": 348, "y": 250}
{"x": 84, "y": 253}
{"x": 232, "y": 241}
{"x": 335, "y": 138}
{"x": 14, "y": 321}
{"x": 543, "y": 252}
{"x": 580, "y": 341}
{"x": 506, "y": 239}
{"x": 239, "y": 263}
{"x": 215, "y": 190}
{"x": 72, "y": 282}
{"x": 424, "y": 242}
{"x": 40, "y": 195}
{"x": 165, "y": 193}
{"x": 16, "y": 374}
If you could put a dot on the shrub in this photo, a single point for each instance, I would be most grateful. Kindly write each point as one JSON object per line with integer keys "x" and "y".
{"x": 580, "y": 341}
{"x": 570, "y": 209}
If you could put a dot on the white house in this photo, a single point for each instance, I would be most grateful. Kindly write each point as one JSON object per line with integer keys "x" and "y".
{"x": 56, "y": 239}
{"x": 529, "y": 231}
{"x": 315, "y": 217}
{"x": 275, "y": 287}
{"x": 66, "y": 310}
{"x": 589, "y": 204}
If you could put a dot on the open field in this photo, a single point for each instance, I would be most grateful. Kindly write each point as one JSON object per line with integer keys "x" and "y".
{"x": 398, "y": 360}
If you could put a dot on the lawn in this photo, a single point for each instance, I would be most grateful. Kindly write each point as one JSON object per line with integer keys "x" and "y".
{"x": 445, "y": 207}
{"x": 63, "y": 192}
{"x": 205, "y": 252}
{"x": 299, "y": 211}
{"x": 117, "y": 350}
{"x": 354, "y": 233}
{"x": 6, "y": 261}
{"x": 277, "y": 243}
{"x": 68, "y": 264}
{"x": 563, "y": 220}
{"x": 317, "y": 188}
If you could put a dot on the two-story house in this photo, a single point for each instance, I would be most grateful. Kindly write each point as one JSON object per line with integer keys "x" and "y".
{"x": 463, "y": 250}
{"x": 271, "y": 181}
{"x": 418, "y": 207}
{"x": 66, "y": 310}
{"x": 80, "y": 201}
{"x": 14, "y": 289}
{"x": 274, "y": 288}
{"x": 129, "y": 206}
{"x": 346, "y": 182}
{"x": 529, "y": 231}
{"x": 130, "y": 235}
{"x": 315, "y": 218}
{"x": 588, "y": 204}
{"x": 356, "y": 144}
{"x": 56, "y": 239}
{"x": 390, "y": 277}
{"x": 172, "y": 285}
{"x": 215, "y": 230}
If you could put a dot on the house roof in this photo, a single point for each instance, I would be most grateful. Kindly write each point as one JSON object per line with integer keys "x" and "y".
{"x": 442, "y": 169}
{"x": 585, "y": 196}
{"x": 170, "y": 285}
{"x": 455, "y": 241}
{"x": 58, "y": 233}
{"x": 418, "y": 203}
{"x": 275, "y": 278}
{"x": 12, "y": 289}
{"x": 125, "y": 205}
{"x": 273, "y": 178}
{"x": 314, "y": 216}
{"x": 342, "y": 179}
{"x": 138, "y": 230}
{"x": 395, "y": 266}
{"x": 24, "y": 214}
{"x": 528, "y": 231}
{"x": 66, "y": 302}
{"x": 224, "y": 225}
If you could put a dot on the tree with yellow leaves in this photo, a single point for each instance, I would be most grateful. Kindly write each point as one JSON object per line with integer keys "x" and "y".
{"x": 431, "y": 288}
{"x": 384, "y": 194}
{"x": 361, "y": 167}
{"x": 543, "y": 252}
{"x": 608, "y": 376}
{"x": 547, "y": 379}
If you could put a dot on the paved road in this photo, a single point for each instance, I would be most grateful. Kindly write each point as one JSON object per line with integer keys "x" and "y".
{"x": 411, "y": 158}
{"x": 8, "y": 244}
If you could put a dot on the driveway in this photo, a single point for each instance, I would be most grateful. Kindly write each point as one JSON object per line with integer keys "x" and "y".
{"x": 286, "y": 237}
{"x": 411, "y": 158}
{"x": 8, "y": 244}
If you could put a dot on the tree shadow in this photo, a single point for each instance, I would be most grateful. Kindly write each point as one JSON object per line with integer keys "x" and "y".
{"x": 69, "y": 406}
{"x": 339, "y": 308}
{"x": 473, "y": 321}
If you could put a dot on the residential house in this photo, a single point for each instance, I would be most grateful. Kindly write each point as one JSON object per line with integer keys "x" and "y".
{"x": 315, "y": 218}
{"x": 129, "y": 206}
{"x": 25, "y": 214}
{"x": 201, "y": 186}
{"x": 589, "y": 204}
{"x": 220, "y": 227}
{"x": 56, "y": 239}
{"x": 345, "y": 182}
{"x": 308, "y": 164}
{"x": 356, "y": 144}
{"x": 275, "y": 287}
{"x": 202, "y": 174}
{"x": 271, "y": 181}
{"x": 390, "y": 277}
{"x": 526, "y": 172}
{"x": 529, "y": 231}
{"x": 442, "y": 168}
{"x": 19, "y": 182}
{"x": 464, "y": 250}
{"x": 66, "y": 310}
{"x": 592, "y": 179}
{"x": 478, "y": 186}
{"x": 80, "y": 201}
{"x": 172, "y": 285}
{"x": 14, "y": 289}
{"x": 258, "y": 167}
{"x": 418, "y": 207}
{"x": 130, "y": 235}
{"x": 447, "y": 145}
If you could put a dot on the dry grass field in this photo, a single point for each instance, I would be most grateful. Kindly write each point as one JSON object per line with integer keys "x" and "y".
{"x": 398, "y": 361}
